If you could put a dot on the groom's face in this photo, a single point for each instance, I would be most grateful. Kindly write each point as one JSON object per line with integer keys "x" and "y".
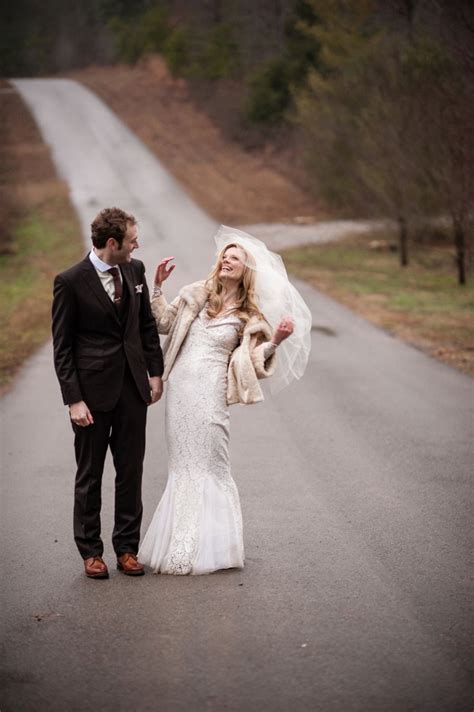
{"x": 130, "y": 243}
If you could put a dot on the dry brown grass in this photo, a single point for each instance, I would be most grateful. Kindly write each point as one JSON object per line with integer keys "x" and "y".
{"x": 421, "y": 304}
{"x": 235, "y": 186}
{"x": 40, "y": 234}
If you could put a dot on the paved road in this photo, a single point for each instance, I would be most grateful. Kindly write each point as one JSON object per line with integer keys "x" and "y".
{"x": 355, "y": 487}
{"x": 280, "y": 235}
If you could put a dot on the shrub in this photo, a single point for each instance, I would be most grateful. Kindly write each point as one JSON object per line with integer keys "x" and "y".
{"x": 220, "y": 56}
{"x": 145, "y": 34}
{"x": 176, "y": 51}
{"x": 269, "y": 92}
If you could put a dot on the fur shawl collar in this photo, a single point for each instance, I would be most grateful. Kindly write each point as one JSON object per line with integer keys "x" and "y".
{"x": 247, "y": 363}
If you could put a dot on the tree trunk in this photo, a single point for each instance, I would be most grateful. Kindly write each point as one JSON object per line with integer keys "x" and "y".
{"x": 403, "y": 240}
{"x": 460, "y": 244}
{"x": 216, "y": 7}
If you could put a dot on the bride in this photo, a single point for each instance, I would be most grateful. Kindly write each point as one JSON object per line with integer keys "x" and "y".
{"x": 219, "y": 344}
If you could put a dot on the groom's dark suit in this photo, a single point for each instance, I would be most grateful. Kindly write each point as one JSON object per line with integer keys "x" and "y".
{"x": 103, "y": 355}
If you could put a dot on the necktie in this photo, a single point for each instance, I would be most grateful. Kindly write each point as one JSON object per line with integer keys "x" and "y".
{"x": 114, "y": 271}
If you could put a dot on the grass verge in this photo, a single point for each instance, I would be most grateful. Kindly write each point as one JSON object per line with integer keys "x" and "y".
{"x": 421, "y": 303}
{"x": 40, "y": 235}
{"x": 41, "y": 250}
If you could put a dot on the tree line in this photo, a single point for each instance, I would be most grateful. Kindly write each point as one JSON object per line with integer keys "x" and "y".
{"x": 389, "y": 116}
{"x": 381, "y": 92}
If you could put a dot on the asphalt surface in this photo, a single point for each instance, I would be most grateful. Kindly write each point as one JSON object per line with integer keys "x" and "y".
{"x": 355, "y": 487}
{"x": 277, "y": 236}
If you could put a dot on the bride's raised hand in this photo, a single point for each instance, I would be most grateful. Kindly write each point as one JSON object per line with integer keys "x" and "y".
{"x": 284, "y": 329}
{"x": 163, "y": 271}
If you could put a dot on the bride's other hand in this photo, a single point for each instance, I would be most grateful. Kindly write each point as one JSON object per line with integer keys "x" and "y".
{"x": 163, "y": 271}
{"x": 284, "y": 329}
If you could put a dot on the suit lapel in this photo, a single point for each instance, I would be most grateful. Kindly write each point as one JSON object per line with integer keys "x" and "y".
{"x": 93, "y": 282}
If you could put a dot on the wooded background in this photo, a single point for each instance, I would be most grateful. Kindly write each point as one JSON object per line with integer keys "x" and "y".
{"x": 378, "y": 96}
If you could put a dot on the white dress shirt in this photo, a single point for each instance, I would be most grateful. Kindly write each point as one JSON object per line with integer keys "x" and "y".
{"x": 105, "y": 277}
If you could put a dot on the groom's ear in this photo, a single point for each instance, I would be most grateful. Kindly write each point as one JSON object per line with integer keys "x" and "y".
{"x": 112, "y": 243}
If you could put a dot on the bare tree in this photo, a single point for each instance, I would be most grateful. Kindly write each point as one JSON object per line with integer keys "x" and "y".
{"x": 450, "y": 149}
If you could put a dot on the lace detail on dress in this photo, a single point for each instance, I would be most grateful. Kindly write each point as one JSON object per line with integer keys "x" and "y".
{"x": 201, "y": 501}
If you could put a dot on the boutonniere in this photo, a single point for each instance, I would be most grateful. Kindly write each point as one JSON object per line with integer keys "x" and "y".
{"x": 138, "y": 288}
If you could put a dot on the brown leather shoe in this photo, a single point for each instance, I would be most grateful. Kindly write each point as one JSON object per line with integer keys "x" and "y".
{"x": 129, "y": 565}
{"x": 95, "y": 567}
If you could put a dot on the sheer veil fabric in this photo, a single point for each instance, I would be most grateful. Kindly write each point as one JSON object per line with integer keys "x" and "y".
{"x": 277, "y": 298}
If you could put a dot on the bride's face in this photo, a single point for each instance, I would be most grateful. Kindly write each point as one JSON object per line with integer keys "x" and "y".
{"x": 232, "y": 265}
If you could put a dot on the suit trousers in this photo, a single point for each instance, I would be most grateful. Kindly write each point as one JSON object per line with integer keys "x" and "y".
{"x": 123, "y": 429}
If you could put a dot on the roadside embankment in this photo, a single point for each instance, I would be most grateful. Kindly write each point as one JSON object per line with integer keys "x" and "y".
{"x": 421, "y": 303}
{"x": 39, "y": 236}
{"x": 232, "y": 184}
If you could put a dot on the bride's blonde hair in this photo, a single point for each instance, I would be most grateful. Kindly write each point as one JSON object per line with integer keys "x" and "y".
{"x": 247, "y": 303}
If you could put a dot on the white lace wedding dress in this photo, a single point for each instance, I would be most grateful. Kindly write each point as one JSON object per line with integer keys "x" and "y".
{"x": 197, "y": 526}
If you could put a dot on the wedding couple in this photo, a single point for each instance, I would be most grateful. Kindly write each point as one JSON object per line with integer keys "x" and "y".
{"x": 222, "y": 336}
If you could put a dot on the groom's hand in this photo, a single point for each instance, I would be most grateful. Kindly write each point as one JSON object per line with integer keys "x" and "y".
{"x": 156, "y": 388}
{"x": 80, "y": 414}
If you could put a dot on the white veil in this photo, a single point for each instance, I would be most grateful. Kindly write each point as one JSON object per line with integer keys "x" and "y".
{"x": 277, "y": 298}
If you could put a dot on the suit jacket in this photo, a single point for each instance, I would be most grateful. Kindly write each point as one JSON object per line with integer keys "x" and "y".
{"x": 92, "y": 345}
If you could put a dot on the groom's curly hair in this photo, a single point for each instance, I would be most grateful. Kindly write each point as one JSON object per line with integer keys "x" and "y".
{"x": 110, "y": 222}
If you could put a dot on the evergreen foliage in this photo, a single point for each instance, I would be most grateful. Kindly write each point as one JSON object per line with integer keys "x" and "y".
{"x": 219, "y": 58}
{"x": 270, "y": 93}
{"x": 176, "y": 50}
{"x": 271, "y": 85}
{"x": 140, "y": 35}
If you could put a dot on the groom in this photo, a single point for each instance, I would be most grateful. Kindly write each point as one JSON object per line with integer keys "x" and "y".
{"x": 109, "y": 364}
